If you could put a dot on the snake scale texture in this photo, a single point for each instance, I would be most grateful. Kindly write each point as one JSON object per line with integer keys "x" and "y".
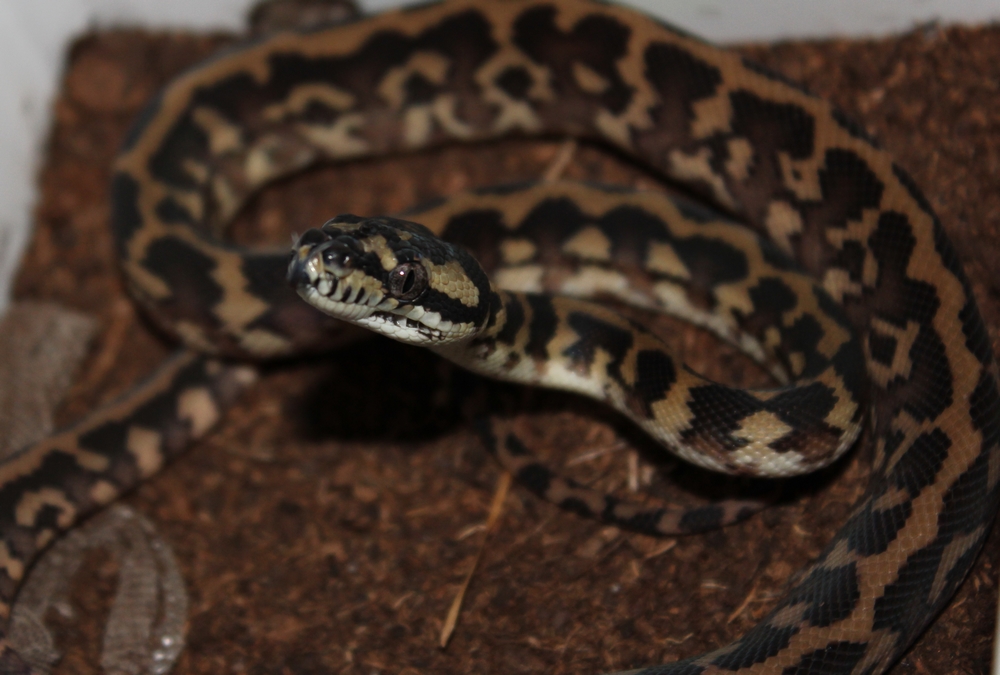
{"x": 752, "y": 144}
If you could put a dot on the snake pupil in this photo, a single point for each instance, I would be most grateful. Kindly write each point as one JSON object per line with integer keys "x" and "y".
{"x": 408, "y": 281}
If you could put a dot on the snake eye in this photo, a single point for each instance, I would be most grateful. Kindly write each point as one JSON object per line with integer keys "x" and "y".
{"x": 408, "y": 281}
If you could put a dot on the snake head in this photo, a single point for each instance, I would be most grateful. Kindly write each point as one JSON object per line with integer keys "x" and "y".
{"x": 391, "y": 276}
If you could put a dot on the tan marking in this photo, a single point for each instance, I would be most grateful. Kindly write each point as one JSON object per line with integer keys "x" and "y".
{"x": 740, "y": 159}
{"x": 226, "y": 195}
{"x": 892, "y": 498}
{"x": 192, "y": 335}
{"x": 525, "y": 279}
{"x": 452, "y": 280}
{"x": 147, "y": 283}
{"x": 92, "y": 461}
{"x": 711, "y": 115}
{"x": 196, "y": 169}
{"x": 734, "y": 297}
{"x": 796, "y": 362}
{"x": 589, "y": 244}
{"x": 696, "y": 168}
{"x": 418, "y": 123}
{"x": 615, "y": 129}
{"x": 514, "y": 114}
{"x": 146, "y": 448}
{"x": 31, "y": 503}
{"x": 223, "y": 136}
{"x": 789, "y": 616}
{"x": 592, "y": 280}
{"x": 44, "y": 537}
{"x": 958, "y": 547}
{"x": 761, "y": 428}
{"x": 197, "y": 407}
{"x": 338, "y": 140}
{"x": 103, "y": 492}
{"x": 443, "y": 108}
{"x": 663, "y": 259}
{"x": 840, "y": 556}
{"x": 261, "y": 341}
{"x": 782, "y": 222}
{"x": 432, "y": 66}
{"x": 11, "y": 565}
{"x": 589, "y": 80}
{"x": 801, "y": 177}
{"x": 901, "y": 365}
{"x": 517, "y": 251}
{"x": 838, "y": 284}
{"x": 273, "y": 156}
{"x": 304, "y": 95}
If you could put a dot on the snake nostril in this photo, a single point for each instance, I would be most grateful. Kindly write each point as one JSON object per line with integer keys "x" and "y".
{"x": 312, "y": 237}
{"x": 338, "y": 255}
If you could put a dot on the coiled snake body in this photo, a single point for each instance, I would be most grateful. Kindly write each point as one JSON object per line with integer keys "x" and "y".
{"x": 786, "y": 163}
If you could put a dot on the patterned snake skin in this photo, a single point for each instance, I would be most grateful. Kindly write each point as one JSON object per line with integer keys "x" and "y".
{"x": 786, "y": 163}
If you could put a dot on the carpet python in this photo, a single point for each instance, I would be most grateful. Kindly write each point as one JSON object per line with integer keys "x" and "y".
{"x": 754, "y": 145}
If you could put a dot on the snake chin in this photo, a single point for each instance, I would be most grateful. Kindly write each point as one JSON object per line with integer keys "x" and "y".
{"x": 405, "y": 329}
{"x": 412, "y": 325}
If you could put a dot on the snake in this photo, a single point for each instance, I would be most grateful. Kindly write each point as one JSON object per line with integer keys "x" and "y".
{"x": 752, "y": 144}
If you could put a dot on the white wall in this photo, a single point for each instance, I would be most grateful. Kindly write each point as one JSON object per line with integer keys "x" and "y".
{"x": 33, "y": 34}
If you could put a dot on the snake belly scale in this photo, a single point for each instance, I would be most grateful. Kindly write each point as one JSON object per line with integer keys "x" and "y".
{"x": 789, "y": 165}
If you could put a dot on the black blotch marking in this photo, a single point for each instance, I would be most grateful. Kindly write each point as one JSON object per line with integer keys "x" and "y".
{"x": 631, "y": 230}
{"x": 852, "y": 259}
{"x": 595, "y": 334}
{"x": 679, "y": 77}
{"x": 711, "y": 262}
{"x": 480, "y": 231}
{"x": 549, "y": 224}
{"x": 834, "y": 659}
{"x": 780, "y": 126}
{"x": 717, "y": 411}
{"x": 169, "y": 210}
{"x": 184, "y": 141}
{"x": 697, "y": 211}
{"x": 655, "y": 375}
{"x": 849, "y": 186}
{"x": 882, "y": 348}
{"x": 187, "y": 272}
{"x": 930, "y": 377}
{"x": 871, "y": 531}
{"x": 702, "y": 519}
{"x": 655, "y": 370}
{"x": 542, "y": 327}
{"x": 901, "y": 299}
{"x": 125, "y": 216}
{"x": 419, "y": 89}
{"x": 513, "y": 321}
{"x": 597, "y": 41}
{"x": 515, "y": 81}
{"x": 831, "y": 595}
{"x": 803, "y": 407}
{"x": 757, "y": 646}
{"x": 919, "y": 464}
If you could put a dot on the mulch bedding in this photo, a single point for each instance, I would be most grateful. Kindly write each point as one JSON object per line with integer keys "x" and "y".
{"x": 328, "y": 522}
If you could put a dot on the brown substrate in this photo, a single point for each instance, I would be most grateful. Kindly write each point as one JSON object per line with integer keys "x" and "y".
{"x": 325, "y": 527}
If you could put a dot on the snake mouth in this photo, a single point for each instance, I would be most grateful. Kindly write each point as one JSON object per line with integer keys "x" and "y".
{"x": 353, "y": 296}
